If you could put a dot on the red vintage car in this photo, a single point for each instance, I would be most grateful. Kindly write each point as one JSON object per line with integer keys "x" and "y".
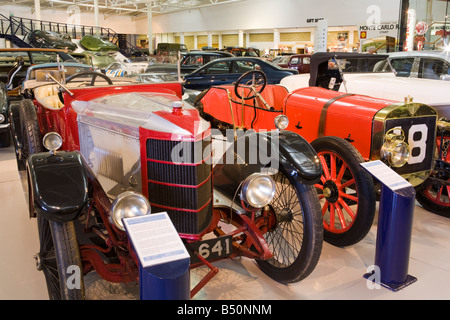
{"x": 299, "y": 62}
{"x": 136, "y": 149}
{"x": 345, "y": 130}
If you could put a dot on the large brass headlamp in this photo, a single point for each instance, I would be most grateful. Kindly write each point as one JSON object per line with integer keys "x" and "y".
{"x": 395, "y": 150}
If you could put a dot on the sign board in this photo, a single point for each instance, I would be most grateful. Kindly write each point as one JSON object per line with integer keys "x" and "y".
{"x": 385, "y": 175}
{"x": 155, "y": 239}
{"x": 437, "y": 29}
{"x": 378, "y": 30}
{"x": 321, "y": 36}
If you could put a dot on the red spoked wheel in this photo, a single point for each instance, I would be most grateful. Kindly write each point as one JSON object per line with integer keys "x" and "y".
{"x": 346, "y": 192}
{"x": 434, "y": 193}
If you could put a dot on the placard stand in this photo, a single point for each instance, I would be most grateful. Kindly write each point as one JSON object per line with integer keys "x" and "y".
{"x": 395, "y": 220}
{"x": 164, "y": 272}
{"x": 167, "y": 281}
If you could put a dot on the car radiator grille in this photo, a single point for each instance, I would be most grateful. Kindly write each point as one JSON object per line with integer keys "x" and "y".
{"x": 179, "y": 182}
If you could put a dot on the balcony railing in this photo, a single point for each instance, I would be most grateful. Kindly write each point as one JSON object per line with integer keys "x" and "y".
{"x": 21, "y": 27}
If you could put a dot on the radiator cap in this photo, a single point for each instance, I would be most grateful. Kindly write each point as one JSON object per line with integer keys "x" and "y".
{"x": 177, "y": 106}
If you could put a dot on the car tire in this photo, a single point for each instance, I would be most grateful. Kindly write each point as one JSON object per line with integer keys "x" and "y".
{"x": 30, "y": 133}
{"x": 5, "y": 139}
{"x": 60, "y": 260}
{"x": 296, "y": 240}
{"x": 346, "y": 192}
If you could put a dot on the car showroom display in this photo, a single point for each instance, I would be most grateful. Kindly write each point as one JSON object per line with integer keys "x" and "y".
{"x": 130, "y": 143}
{"x": 345, "y": 130}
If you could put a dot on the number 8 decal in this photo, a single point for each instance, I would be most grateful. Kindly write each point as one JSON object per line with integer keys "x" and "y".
{"x": 420, "y": 144}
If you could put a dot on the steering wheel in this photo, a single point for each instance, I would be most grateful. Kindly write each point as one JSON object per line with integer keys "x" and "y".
{"x": 91, "y": 74}
{"x": 255, "y": 80}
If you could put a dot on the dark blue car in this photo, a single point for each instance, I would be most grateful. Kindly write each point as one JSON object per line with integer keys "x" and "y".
{"x": 228, "y": 70}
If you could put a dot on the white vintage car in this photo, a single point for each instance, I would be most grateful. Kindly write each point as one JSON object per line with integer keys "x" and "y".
{"x": 365, "y": 74}
{"x": 419, "y": 64}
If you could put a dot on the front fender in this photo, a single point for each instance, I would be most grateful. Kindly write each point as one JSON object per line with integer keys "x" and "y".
{"x": 255, "y": 152}
{"x": 299, "y": 157}
{"x": 58, "y": 185}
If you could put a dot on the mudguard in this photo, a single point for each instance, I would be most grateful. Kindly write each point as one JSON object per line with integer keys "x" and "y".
{"x": 255, "y": 152}
{"x": 300, "y": 158}
{"x": 58, "y": 185}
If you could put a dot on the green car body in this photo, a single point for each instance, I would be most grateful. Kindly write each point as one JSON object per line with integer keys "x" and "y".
{"x": 96, "y": 43}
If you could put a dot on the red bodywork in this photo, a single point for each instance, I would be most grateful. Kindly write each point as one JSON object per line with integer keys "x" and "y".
{"x": 64, "y": 121}
{"x": 305, "y": 110}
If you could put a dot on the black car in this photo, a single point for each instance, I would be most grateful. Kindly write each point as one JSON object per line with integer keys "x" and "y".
{"x": 228, "y": 70}
{"x": 9, "y": 58}
{"x": 50, "y": 39}
{"x": 190, "y": 62}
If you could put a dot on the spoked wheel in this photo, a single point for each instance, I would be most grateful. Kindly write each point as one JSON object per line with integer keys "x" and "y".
{"x": 434, "y": 193}
{"x": 59, "y": 259}
{"x": 346, "y": 192}
{"x": 296, "y": 240}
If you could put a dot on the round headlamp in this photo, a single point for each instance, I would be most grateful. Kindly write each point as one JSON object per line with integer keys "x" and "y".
{"x": 127, "y": 205}
{"x": 258, "y": 190}
{"x": 395, "y": 150}
{"x": 2, "y": 118}
{"x": 52, "y": 141}
{"x": 281, "y": 122}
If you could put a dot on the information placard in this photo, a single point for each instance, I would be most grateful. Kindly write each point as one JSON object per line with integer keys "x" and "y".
{"x": 155, "y": 239}
{"x": 385, "y": 175}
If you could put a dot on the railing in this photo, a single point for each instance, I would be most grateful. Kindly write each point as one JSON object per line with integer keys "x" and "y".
{"x": 23, "y": 26}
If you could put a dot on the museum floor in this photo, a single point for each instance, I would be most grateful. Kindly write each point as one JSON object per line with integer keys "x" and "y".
{"x": 338, "y": 275}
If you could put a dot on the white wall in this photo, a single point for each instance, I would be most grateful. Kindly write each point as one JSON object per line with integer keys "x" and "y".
{"x": 245, "y": 15}
{"x": 263, "y": 14}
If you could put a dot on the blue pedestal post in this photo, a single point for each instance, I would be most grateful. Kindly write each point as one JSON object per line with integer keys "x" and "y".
{"x": 396, "y": 211}
{"x": 167, "y": 281}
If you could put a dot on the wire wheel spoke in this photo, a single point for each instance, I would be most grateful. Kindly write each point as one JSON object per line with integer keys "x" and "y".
{"x": 286, "y": 240}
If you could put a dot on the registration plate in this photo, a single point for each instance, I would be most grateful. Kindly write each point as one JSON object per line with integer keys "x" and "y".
{"x": 210, "y": 249}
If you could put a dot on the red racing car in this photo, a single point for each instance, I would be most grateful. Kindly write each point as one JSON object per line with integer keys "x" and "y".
{"x": 345, "y": 130}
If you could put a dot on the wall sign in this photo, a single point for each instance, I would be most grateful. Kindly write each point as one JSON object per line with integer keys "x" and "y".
{"x": 378, "y": 30}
